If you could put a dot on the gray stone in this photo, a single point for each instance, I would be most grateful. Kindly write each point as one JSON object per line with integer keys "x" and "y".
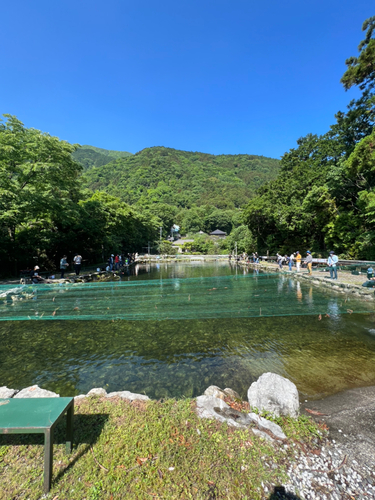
{"x": 215, "y": 392}
{"x": 128, "y": 395}
{"x": 215, "y": 408}
{"x": 263, "y": 423}
{"x": 97, "y": 391}
{"x": 36, "y": 392}
{"x": 231, "y": 393}
{"x": 263, "y": 435}
{"x": 81, "y": 396}
{"x": 7, "y": 393}
{"x": 241, "y": 419}
{"x": 274, "y": 394}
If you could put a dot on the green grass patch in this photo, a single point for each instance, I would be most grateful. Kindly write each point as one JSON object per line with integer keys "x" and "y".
{"x": 149, "y": 450}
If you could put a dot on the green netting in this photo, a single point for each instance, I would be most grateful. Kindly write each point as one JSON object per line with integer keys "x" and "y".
{"x": 189, "y": 298}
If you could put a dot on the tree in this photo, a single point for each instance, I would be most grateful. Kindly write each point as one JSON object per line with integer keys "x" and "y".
{"x": 361, "y": 69}
{"x": 39, "y": 182}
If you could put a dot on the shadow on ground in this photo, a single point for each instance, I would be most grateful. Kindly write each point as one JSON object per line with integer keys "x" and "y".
{"x": 86, "y": 429}
{"x": 280, "y": 493}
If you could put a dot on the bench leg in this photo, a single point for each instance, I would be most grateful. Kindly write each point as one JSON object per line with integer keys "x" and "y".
{"x": 69, "y": 428}
{"x": 48, "y": 457}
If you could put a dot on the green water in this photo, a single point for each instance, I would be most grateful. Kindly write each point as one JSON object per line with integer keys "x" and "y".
{"x": 172, "y": 330}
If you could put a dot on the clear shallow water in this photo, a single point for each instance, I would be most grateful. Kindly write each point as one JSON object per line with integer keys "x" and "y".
{"x": 225, "y": 330}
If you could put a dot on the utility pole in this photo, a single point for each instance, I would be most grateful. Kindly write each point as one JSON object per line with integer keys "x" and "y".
{"x": 236, "y": 250}
{"x": 161, "y": 231}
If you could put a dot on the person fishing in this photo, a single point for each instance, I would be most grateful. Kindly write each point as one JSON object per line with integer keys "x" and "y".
{"x": 77, "y": 263}
{"x": 63, "y": 265}
{"x": 298, "y": 261}
{"x": 308, "y": 262}
{"x": 332, "y": 264}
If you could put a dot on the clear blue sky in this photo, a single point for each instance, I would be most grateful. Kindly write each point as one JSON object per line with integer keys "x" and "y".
{"x": 215, "y": 76}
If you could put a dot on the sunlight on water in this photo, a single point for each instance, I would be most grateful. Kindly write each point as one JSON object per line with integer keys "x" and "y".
{"x": 182, "y": 328}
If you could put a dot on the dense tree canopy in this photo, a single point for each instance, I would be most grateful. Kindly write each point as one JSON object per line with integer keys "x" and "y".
{"x": 43, "y": 211}
{"x": 323, "y": 197}
{"x": 183, "y": 179}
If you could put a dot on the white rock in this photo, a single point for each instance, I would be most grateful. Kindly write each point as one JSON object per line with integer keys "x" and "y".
{"x": 215, "y": 392}
{"x": 274, "y": 394}
{"x": 263, "y": 435}
{"x": 97, "y": 391}
{"x": 263, "y": 423}
{"x": 206, "y": 405}
{"x": 231, "y": 393}
{"x": 6, "y": 393}
{"x": 81, "y": 396}
{"x": 128, "y": 395}
{"x": 36, "y": 392}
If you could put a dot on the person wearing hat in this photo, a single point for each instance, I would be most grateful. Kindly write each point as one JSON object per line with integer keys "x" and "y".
{"x": 332, "y": 264}
{"x": 35, "y": 278}
{"x": 308, "y": 262}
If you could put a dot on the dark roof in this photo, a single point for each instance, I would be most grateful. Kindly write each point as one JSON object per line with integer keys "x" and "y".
{"x": 217, "y": 232}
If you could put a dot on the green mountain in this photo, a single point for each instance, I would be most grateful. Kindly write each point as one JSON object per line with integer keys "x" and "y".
{"x": 90, "y": 156}
{"x": 183, "y": 179}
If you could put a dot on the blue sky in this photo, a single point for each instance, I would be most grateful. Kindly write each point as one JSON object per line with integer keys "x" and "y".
{"x": 214, "y": 76}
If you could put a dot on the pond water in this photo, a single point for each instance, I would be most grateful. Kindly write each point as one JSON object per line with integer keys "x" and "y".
{"x": 174, "y": 329}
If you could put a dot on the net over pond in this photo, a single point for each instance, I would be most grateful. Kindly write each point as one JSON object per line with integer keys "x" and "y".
{"x": 260, "y": 295}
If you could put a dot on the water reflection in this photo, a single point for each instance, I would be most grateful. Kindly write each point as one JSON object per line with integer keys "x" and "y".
{"x": 178, "y": 357}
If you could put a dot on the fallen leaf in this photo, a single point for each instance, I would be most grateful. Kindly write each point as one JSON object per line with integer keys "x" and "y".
{"x": 76, "y": 309}
{"x": 160, "y": 474}
{"x": 319, "y": 317}
{"x": 349, "y": 311}
{"x": 141, "y": 461}
{"x": 314, "y": 412}
{"x": 327, "y": 316}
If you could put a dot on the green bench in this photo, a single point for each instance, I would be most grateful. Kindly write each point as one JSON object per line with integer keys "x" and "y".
{"x": 38, "y": 416}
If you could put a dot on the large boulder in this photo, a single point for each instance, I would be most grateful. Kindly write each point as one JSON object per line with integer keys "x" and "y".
{"x": 132, "y": 396}
{"x": 6, "y": 393}
{"x": 35, "y": 391}
{"x": 275, "y": 394}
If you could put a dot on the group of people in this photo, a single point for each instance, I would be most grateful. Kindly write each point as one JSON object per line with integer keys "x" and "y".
{"x": 297, "y": 258}
{"x": 116, "y": 262}
{"x": 77, "y": 263}
{"x": 294, "y": 257}
{"x": 246, "y": 257}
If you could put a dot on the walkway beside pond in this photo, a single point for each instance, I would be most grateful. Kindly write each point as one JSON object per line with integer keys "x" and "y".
{"x": 346, "y": 282}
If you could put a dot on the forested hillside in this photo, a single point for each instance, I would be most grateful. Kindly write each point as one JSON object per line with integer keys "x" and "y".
{"x": 90, "y": 156}
{"x": 324, "y": 198}
{"x": 44, "y": 212}
{"x": 183, "y": 179}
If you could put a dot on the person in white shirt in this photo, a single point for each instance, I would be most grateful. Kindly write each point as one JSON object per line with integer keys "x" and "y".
{"x": 291, "y": 259}
{"x": 77, "y": 263}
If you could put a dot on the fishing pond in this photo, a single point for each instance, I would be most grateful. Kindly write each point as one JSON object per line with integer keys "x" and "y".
{"x": 171, "y": 330}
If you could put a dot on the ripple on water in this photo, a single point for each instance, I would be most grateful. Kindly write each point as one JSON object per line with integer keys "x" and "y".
{"x": 181, "y": 357}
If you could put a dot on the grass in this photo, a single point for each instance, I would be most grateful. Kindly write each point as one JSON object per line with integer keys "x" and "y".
{"x": 155, "y": 449}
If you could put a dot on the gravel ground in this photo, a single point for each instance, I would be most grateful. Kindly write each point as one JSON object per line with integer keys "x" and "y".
{"x": 329, "y": 475}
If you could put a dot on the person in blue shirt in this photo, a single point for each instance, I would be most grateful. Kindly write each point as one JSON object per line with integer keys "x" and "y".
{"x": 332, "y": 264}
